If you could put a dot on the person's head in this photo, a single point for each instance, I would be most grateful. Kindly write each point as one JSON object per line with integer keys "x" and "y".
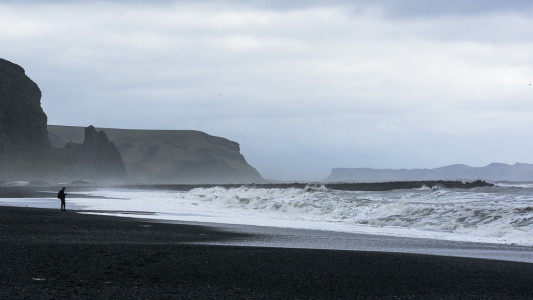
{"x": 63, "y": 188}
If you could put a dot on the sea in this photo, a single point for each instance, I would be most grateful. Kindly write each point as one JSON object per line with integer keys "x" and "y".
{"x": 499, "y": 214}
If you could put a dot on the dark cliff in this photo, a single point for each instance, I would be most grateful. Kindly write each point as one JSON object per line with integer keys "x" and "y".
{"x": 22, "y": 120}
{"x": 171, "y": 156}
{"x": 145, "y": 156}
{"x": 96, "y": 158}
{"x": 25, "y": 152}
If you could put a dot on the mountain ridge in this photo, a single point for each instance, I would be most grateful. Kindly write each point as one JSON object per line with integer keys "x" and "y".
{"x": 492, "y": 172}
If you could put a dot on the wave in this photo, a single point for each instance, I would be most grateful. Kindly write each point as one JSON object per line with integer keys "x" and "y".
{"x": 492, "y": 214}
{"x": 515, "y": 184}
{"x": 345, "y": 186}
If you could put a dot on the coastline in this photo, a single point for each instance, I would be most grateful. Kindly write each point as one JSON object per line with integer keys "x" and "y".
{"x": 48, "y": 253}
{"x": 285, "y": 235}
{"x": 281, "y": 237}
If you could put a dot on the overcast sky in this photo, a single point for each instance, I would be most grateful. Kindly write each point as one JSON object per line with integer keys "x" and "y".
{"x": 302, "y": 86}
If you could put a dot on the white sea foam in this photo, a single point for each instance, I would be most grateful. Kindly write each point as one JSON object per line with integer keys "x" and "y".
{"x": 501, "y": 214}
{"x": 496, "y": 215}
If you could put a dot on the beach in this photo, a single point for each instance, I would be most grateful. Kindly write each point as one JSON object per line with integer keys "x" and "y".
{"x": 47, "y": 253}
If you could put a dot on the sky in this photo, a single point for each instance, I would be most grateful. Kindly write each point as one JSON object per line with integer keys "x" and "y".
{"x": 302, "y": 86}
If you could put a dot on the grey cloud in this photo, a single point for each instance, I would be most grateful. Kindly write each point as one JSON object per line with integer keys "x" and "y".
{"x": 422, "y": 8}
{"x": 404, "y": 8}
{"x": 303, "y": 91}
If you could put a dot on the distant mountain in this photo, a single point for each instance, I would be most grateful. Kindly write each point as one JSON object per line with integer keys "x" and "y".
{"x": 492, "y": 172}
{"x": 171, "y": 156}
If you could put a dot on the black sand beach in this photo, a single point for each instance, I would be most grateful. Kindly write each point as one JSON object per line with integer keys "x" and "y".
{"x": 49, "y": 254}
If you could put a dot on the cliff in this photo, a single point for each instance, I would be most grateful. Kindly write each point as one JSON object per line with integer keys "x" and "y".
{"x": 96, "y": 158}
{"x": 149, "y": 156}
{"x": 25, "y": 152}
{"x": 171, "y": 156}
{"x": 22, "y": 120}
{"x": 492, "y": 172}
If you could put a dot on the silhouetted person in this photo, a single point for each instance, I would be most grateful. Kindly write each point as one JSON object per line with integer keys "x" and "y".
{"x": 61, "y": 195}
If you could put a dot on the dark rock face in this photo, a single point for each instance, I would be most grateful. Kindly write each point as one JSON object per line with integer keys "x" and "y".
{"x": 171, "y": 156}
{"x": 22, "y": 120}
{"x": 97, "y": 157}
{"x": 25, "y": 151}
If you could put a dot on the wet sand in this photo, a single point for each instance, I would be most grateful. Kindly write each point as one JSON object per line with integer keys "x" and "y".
{"x": 52, "y": 254}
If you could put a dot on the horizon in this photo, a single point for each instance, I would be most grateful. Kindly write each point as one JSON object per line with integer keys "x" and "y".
{"x": 303, "y": 87}
{"x": 331, "y": 170}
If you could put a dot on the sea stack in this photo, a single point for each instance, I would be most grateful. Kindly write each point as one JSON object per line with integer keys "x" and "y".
{"x": 25, "y": 151}
{"x": 97, "y": 157}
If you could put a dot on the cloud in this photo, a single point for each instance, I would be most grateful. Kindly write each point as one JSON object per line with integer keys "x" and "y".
{"x": 303, "y": 87}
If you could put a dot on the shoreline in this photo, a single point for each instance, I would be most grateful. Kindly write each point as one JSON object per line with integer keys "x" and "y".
{"x": 282, "y": 237}
{"x": 305, "y": 238}
{"x": 48, "y": 253}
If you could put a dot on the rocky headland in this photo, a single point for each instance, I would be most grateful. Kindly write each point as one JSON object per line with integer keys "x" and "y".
{"x": 22, "y": 120}
{"x": 25, "y": 151}
{"x": 32, "y": 151}
{"x": 171, "y": 156}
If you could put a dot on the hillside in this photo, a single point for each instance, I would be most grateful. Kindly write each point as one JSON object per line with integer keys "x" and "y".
{"x": 492, "y": 172}
{"x": 170, "y": 156}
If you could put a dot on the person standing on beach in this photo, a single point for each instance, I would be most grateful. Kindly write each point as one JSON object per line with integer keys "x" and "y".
{"x": 61, "y": 195}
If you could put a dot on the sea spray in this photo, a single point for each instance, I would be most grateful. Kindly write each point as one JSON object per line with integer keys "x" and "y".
{"x": 498, "y": 214}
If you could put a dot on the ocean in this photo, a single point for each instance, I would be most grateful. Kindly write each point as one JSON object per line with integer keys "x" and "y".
{"x": 501, "y": 214}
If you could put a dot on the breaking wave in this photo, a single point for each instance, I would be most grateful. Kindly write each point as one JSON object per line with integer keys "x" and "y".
{"x": 501, "y": 214}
